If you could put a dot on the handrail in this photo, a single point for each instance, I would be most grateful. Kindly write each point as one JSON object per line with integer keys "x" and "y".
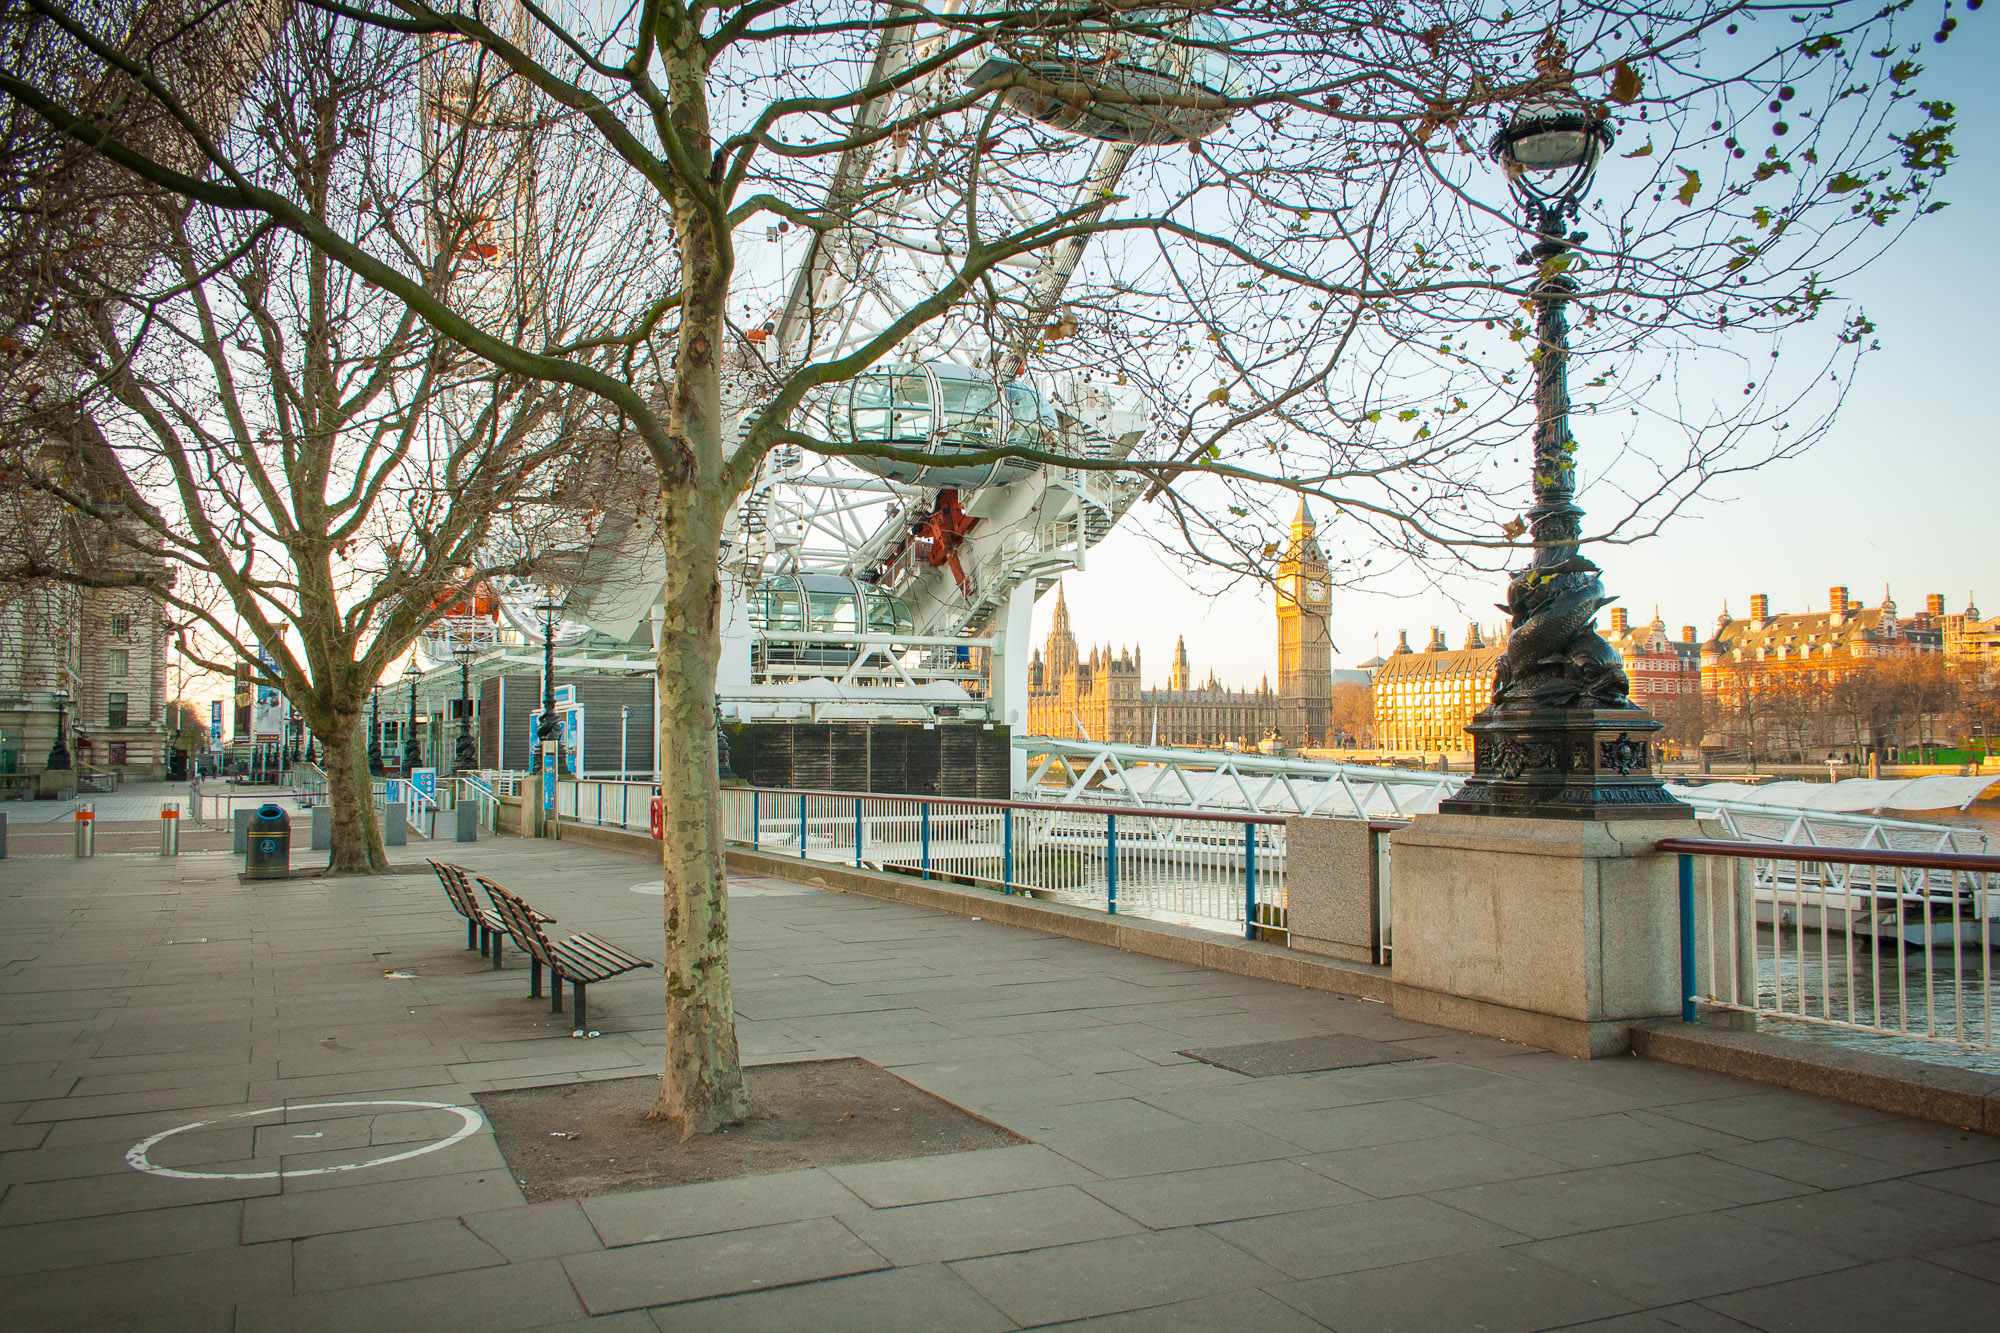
{"x": 1854, "y": 856}
{"x": 1216, "y": 816}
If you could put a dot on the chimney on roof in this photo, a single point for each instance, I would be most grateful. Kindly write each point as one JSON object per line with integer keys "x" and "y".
{"x": 1688, "y": 634}
{"x": 1620, "y": 621}
{"x": 1854, "y": 605}
{"x": 1760, "y": 609}
{"x": 1438, "y": 644}
{"x": 1836, "y": 605}
{"x": 1934, "y": 604}
{"x": 1472, "y": 639}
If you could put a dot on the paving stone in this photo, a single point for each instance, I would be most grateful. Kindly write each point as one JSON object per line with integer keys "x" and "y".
{"x": 958, "y": 1175}
{"x": 901, "y": 1300}
{"x": 538, "y": 1231}
{"x": 388, "y": 1254}
{"x": 640, "y": 1216}
{"x": 513, "y": 1296}
{"x": 1184, "y": 1148}
{"x": 994, "y": 1224}
{"x": 358, "y": 1204}
{"x": 666, "y": 1272}
{"x": 1573, "y": 1201}
{"x": 1106, "y": 1276}
{"x": 1808, "y": 1163}
{"x": 1771, "y": 1115}
{"x": 1607, "y": 1140}
{"x": 1899, "y": 1293}
{"x": 1509, "y": 1292}
{"x": 1233, "y": 1313}
{"x": 126, "y": 1192}
{"x": 1912, "y": 1144}
{"x": 1339, "y": 1127}
{"x": 79, "y": 1242}
{"x": 138, "y": 1289}
{"x": 1221, "y": 1194}
{"x": 1303, "y": 1055}
{"x": 1887, "y": 1219}
{"x": 1370, "y": 1234}
{"x": 1686, "y": 1258}
{"x": 1419, "y": 1166}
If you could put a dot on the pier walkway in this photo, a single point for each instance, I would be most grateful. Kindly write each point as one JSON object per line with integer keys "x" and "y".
{"x": 1470, "y": 1183}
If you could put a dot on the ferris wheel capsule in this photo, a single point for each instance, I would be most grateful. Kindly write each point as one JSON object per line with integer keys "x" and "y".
{"x": 1158, "y": 57}
{"x": 946, "y": 411}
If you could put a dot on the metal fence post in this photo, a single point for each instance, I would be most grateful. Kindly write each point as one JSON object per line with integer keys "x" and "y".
{"x": 1249, "y": 881}
{"x": 857, "y": 833}
{"x": 756, "y": 824}
{"x": 1111, "y": 864}
{"x": 802, "y": 826}
{"x": 1006, "y": 851}
{"x": 1687, "y": 937}
{"x": 924, "y": 834}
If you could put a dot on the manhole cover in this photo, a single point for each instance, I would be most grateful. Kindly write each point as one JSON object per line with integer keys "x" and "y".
{"x": 1302, "y": 1055}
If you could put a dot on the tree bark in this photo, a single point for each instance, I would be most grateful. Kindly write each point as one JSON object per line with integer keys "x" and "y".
{"x": 701, "y": 1089}
{"x": 357, "y": 838}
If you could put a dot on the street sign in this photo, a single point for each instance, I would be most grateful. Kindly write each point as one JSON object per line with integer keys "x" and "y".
{"x": 424, "y": 780}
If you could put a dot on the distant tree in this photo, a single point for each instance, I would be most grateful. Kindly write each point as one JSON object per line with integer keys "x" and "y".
{"x": 1351, "y": 713}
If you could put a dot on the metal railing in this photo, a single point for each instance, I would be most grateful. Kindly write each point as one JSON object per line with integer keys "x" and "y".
{"x": 607, "y": 803}
{"x": 1895, "y": 943}
{"x": 471, "y": 786}
{"x": 1217, "y": 871}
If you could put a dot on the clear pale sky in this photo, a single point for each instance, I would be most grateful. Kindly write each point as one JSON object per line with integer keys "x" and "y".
{"x": 1903, "y": 493}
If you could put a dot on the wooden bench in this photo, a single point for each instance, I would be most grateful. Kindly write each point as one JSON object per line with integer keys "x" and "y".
{"x": 484, "y": 927}
{"x": 581, "y": 960}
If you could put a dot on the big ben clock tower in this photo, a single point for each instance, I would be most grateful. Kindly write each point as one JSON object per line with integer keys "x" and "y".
{"x": 1305, "y": 646}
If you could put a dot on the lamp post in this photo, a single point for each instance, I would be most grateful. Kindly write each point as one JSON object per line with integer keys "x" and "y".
{"x": 375, "y": 730}
{"x": 59, "y": 752}
{"x": 1562, "y": 738}
{"x": 467, "y": 753}
{"x": 548, "y": 733}
{"x": 413, "y": 751}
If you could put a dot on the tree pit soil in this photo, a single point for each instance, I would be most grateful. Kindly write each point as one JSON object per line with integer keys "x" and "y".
{"x": 578, "y": 1140}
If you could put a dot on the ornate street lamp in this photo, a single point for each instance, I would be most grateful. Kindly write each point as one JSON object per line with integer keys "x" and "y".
{"x": 548, "y": 731}
{"x": 467, "y": 753}
{"x": 413, "y": 751}
{"x": 375, "y": 730}
{"x": 59, "y": 752}
{"x": 1562, "y": 738}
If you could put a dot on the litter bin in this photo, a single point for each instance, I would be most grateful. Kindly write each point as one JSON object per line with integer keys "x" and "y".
{"x": 269, "y": 855}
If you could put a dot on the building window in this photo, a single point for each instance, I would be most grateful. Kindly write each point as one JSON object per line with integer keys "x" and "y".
{"x": 121, "y": 662}
{"x": 121, "y": 627}
{"x": 114, "y": 709}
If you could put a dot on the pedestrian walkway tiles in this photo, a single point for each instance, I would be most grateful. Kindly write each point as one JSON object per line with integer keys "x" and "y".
{"x": 252, "y": 1106}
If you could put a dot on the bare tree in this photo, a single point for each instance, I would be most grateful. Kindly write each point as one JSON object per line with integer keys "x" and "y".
{"x": 1314, "y": 288}
{"x": 302, "y": 470}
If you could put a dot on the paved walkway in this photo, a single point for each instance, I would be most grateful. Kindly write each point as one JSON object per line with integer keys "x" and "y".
{"x": 1483, "y": 1185}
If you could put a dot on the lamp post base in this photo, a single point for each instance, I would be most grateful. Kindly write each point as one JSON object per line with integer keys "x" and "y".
{"x": 1564, "y": 763}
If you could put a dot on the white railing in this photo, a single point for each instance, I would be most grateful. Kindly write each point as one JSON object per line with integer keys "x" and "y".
{"x": 471, "y": 786}
{"x": 1891, "y": 943}
{"x": 1217, "y": 871}
{"x": 607, "y": 803}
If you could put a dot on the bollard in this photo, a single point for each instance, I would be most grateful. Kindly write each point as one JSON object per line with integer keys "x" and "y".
{"x": 86, "y": 831}
{"x": 270, "y": 852}
{"x": 3, "y": 837}
{"x": 322, "y": 828}
{"x": 468, "y": 821}
{"x": 240, "y": 840}
{"x": 395, "y": 825}
{"x": 170, "y": 829}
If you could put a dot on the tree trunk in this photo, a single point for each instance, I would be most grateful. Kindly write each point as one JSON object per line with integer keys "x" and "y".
{"x": 701, "y": 1089}
{"x": 357, "y": 838}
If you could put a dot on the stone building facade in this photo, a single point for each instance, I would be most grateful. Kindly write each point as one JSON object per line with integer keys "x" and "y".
{"x": 1424, "y": 700}
{"x": 1766, "y": 648}
{"x": 1100, "y": 696}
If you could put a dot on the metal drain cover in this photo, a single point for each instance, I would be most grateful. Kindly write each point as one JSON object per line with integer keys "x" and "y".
{"x": 1302, "y": 1055}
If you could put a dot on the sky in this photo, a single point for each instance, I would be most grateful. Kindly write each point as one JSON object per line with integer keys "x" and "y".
{"x": 1903, "y": 494}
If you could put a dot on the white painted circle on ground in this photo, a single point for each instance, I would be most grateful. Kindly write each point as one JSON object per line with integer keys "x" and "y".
{"x": 657, "y": 888}
{"x": 137, "y": 1159}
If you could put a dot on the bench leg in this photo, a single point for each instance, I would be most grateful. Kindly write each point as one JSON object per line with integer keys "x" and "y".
{"x": 555, "y": 991}
{"x": 534, "y": 977}
{"x": 496, "y": 950}
{"x": 576, "y": 997}
{"x": 485, "y": 940}
{"x": 471, "y": 934}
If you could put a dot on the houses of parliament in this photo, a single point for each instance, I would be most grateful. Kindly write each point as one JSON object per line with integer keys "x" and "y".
{"x": 1101, "y": 697}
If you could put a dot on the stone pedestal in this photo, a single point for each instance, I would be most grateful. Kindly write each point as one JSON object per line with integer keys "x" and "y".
{"x": 1331, "y": 888}
{"x": 1553, "y": 932}
{"x": 56, "y": 784}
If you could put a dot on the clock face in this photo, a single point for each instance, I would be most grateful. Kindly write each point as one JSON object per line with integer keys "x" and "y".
{"x": 1315, "y": 591}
